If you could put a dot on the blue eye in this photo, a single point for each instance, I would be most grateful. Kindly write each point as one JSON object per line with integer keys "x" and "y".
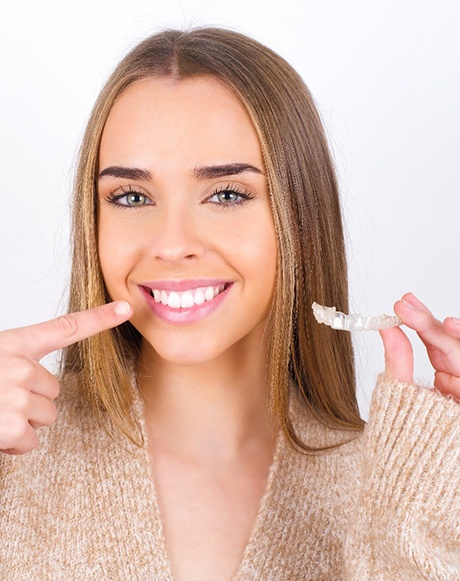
{"x": 129, "y": 199}
{"x": 227, "y": 196}
{"x": 133, "y": 199}
{"x": 230, "y": 196}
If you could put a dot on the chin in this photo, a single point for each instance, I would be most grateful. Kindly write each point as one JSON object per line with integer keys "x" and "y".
{"x": 195, "y": 357}
{"x": 180, "y": 351}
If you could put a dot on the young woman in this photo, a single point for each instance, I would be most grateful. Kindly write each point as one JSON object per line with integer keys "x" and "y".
{"x": 207, "y": 426}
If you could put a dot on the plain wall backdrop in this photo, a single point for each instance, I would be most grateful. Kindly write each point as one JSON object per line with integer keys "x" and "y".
{"x": 386, "y": 79}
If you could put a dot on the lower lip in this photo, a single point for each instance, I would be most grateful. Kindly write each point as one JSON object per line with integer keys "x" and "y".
{"x": 185, "y": 316}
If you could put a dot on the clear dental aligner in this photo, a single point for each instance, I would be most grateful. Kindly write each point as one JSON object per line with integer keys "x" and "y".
{"x": 337, "y": 320}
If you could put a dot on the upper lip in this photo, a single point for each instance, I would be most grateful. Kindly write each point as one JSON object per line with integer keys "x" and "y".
{"x": 184, "y": 285}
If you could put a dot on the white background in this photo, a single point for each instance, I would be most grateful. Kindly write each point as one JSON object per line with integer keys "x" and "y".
{"x": 386, "y": 79}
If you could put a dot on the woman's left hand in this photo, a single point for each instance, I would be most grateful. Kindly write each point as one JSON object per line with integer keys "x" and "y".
{"x": 442, "y": 342}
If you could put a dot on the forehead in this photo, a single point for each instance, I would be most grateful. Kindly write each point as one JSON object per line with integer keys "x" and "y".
{"x": 195, "y": 117}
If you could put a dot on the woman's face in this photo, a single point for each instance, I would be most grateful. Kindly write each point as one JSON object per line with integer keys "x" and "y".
{"x": 186, "y": 232}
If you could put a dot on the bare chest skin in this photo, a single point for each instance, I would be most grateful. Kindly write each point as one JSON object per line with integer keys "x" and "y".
{"x": 208, "y": 511}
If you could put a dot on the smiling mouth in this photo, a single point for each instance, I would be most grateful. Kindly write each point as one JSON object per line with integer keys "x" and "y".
{"x": 188, "y": 298}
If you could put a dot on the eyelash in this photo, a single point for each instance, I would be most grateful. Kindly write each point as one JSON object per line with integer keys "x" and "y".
{"x": 113, "y": 198}
{"x": 244, "y": 196}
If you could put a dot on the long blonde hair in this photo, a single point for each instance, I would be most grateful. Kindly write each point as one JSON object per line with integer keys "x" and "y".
{"x": 306, "y": 208}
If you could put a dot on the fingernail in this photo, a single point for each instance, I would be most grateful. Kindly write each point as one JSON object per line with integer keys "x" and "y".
{"x": 122, "y": 308}
{"x": 408, "y": 305}
{"x": 456, "y": 320}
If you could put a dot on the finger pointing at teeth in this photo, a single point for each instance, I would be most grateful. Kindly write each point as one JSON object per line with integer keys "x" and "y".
{"x": 39, "y": 340}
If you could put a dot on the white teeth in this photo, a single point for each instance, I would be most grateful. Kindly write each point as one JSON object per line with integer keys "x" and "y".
{"x": 199, "y": 297}
{"x": 174, "y": 300}
{"x": 209, "y": 293}
{"x": 186, "y": 299}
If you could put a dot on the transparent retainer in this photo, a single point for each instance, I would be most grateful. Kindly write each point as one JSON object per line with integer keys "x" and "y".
{"x": 333, "y": 318}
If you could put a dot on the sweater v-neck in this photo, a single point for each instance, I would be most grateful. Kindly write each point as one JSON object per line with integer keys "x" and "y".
{"x": 258, "y": 526}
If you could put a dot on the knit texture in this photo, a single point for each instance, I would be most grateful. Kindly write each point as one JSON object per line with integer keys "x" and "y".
{"x": 385, "y": 505}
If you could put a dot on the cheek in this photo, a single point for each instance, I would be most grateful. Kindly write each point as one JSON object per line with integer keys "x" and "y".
{"x": 118, "y": 250}
{"x": 265, "y": 246}
{"x": 257, "y": 247}
{"x": 267, "y": 261}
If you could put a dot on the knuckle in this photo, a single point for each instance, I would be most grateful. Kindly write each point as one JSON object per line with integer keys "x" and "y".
{"x": 11, "y": 342}
{"x": 25, "y": 371}
{"x": 21, "y": 401}
{"x": 67, "y": 324}
{"x": 14, "y": 431}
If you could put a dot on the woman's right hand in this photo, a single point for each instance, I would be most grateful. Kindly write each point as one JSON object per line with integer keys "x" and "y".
{"x": 27, "y": 389}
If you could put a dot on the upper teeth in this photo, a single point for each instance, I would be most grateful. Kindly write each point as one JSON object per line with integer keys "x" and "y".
{"x": 188, "y": 298}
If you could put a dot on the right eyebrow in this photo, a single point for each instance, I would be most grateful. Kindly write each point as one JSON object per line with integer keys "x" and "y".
{"x": 129, "y": 173}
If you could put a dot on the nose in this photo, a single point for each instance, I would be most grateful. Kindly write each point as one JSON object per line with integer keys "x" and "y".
{"x": 177, "y": 237}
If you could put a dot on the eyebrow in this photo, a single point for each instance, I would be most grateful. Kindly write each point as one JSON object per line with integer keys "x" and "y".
{"x": 129, "y": 173}
{"x": 218, "y": 171}
{"x": 201, "y": 173}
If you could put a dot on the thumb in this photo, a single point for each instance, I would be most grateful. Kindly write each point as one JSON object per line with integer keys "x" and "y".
{"x": 399, "y": 358}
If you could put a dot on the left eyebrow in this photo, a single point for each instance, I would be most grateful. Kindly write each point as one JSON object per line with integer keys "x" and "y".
{"x": 218, "y": 171}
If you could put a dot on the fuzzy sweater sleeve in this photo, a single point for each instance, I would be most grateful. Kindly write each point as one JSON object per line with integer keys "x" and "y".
{"x": 407, "y": 524}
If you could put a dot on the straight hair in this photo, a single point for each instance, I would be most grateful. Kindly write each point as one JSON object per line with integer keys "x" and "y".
{"x": 310, "y": 359}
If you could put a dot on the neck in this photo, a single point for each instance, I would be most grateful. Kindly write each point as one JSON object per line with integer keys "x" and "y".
{"x": 217, "y": 411}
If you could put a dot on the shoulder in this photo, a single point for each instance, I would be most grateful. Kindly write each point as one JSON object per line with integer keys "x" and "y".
{"x": 76, "y": 449}
{"x": 334, "y": 462}
{"x": 317, "y": 435}
{"x": 75, "y": 421}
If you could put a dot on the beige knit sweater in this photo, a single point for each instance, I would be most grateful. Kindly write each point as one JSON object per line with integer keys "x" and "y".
{"x": 385, "y": 506}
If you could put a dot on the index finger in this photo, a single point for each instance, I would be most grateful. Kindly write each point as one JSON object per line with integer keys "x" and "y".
{"x": 38, "y": 340}
{"x": 443, "y": 349}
